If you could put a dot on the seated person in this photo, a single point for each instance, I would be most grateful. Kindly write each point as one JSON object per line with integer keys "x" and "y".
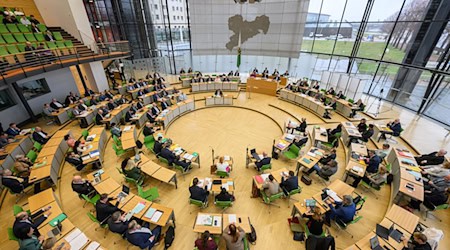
{"x": 13, "y": 130}
{"x": 80, "y": 147}
{"x": 47, "y": 110}
{"x": 315, "y": 222}
{"x": 150, "y": 116}
{"x": 131, "y": 169}
{"x": 117, "y": 223}
{"x": 56, "y": 105}
{"x": 115, "y": 130}
{"x": 164, "y": 104}
{"x": 142, "y": 237}
{"x": 81, "y": 186}
{"x": 253, "y": 74}
{"x": 419, "y": 242}
{"x": 35, "y": 220}
{"x": 82, "y": 106}
{"x": 224, "y": 195}
{"x": 302, "y": 126}
{"x": 396, "y": 128}
{"x": 198, "y": 193}
{"x": 332, "y": 104}
{"x": 70, "y": 141}
{"x": 436, "y": 171}
{"x": 155, "y": 109}
{"x": 148, "y": 130}
{"x": 362, "y": 126}
{"x": 331, "y": 91}
{"x": 206, "y": 242}
{"x": 368, "y": 133}
{"x": 301, "y": 140}
{"x": 383, "y": 152}
{"x": 17, "y": 184}
{"x": 76, "y": 161}
{"x": 104, "y": 208}
{"x": 264, "y": 161}
{"x": 360, "y": 105}
{"x": 332, "y": 133}
{"x": 286, "y": 73}
{"x": 223, "y": 166}
{"x": 373, "y": 179}
{"x": 29, "y": 240}
{"x": 111, "y": 105}
{"x": 218, "y": 93}
{"x": 340, "y": 95}
{"x": 326, "y": 171}
{"x": 434, "y": 158}
{"x": 289, "y": 182}
{"x": 233, "y": 236}
{"x": 373, "y": 162}
{"x": 99, "y": 117}
{"x": 341, "y": 212}
{"x": 4, "y": 140}
{"x": 22, "y": 166}
{"x": 172, "y": 158}
{"x": 40, "y": 136}
{"x": 432, "y": 198}
{"x": 439, "y": 183}
{"x": 157, "y": 147}
{"x": 129, "y": 115}
{"x": 271, "y": 186}
{"x": 328, "y": 157}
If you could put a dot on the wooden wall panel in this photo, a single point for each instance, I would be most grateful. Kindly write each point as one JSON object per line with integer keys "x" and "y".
{"x": 27, "y": 6}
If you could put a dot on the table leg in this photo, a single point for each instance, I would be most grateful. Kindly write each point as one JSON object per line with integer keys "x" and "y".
{"x": 173, "y": 219}
{"x": 297, "y": 170}
{"x": 175, "y": 180}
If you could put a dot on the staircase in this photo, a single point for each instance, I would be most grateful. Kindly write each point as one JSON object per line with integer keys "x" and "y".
{"x": 82, "y": 51}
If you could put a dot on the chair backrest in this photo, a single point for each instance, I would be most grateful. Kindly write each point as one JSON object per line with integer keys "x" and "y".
{"x": 37, "y": 146}
{"x": 17, "y": 209}
{"x": 21, "y": 47}
{"x": 92, "y": 217}
{"x": 120, "y": 171}
{"x": 296, "y": 191}
{"x": 58, "y": 36}
{"x": 222, "y": 173}
{"x": 30, "y": 37}
{"x": 32, "y": 156}
{"x": 358, "y": 218}
{"x": 266, "y": 167}
{"x": 140, "y": 191}
{"x": 85, "y": 133}
{"x": 276, "y": 196}
{"x": 60, "y": 44}
{"x": 162, "y": 159}
{"x": 19, "y": 37}
{"x": 68, "y": 43}
{"x": 23, "y": 28}
{"x": 39, "y": 37}
{"x": 294, "y": 149}
{"x": 12, "y": 28}
{"x": 3, "y": 29}
{"x": 11, "y": 235}
{"x": 223, "y": 203}
{"x": 196, "y": 202}
{"x": 51, "y": 45}
{"x": 149, "y": 139}
{"x": 42, "y": 27}
{"x": 9, "y": 38}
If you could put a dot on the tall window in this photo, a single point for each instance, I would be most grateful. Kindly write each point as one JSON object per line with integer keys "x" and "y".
{"x": 5, "y": 99}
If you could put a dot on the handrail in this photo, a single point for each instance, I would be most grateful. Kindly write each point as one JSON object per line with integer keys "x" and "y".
{"x": 23, "y": 63}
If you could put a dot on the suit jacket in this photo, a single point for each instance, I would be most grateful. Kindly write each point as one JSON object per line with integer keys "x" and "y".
{"x": 167, "y": 154}
{"x": 82, "y": 188}
{"x": 373, "y": 164}
{"x": 150, "y": 117}
{"x": 147, "y": 131}
{"x": 157, "y": 147}
{"x": 155, "y": 110}
{"x": 140, "y": 239}
{"x": 290, "y": 183}
{"x": 128, "y": 116}
{"x": 15, "y": 184}
{"x": 53, "y": 105}
{"x": 432, "y": 159}
{"x": 117, "y": 227}
{"x": 396, "y": 129}
{"x": 12, "y": 131}
{"x": 344, "y": 213}
{"x": 198, "y": 193}
{"x": 315, "y": 242}
{"x": 98, "y": 119}
{"x": 82, "y": 107}
{"x": 37, "y": 137}
{"x": 224, "y": 197}
{"x": 164, "y": 105}
{"x": 104, "y": 210}
{"x": 111, "y": 106}
{"x": 263, "y": 161}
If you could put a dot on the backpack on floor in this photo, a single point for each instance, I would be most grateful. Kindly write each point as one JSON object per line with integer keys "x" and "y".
{"x": 170, "y": 236}
{"x": 251, "y": 237}
{"x": 305, "y": 179}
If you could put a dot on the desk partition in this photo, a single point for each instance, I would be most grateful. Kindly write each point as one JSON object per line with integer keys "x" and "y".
{"x": 212, "y": 86}
{"x": 171, "y": 113}
{"x": 224, "y": 100}
{"x": 305, "y": 101}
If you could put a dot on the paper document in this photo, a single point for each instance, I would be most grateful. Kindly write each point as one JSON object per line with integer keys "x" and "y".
{"x": 204, "y": 219}
{"x": 138, "y": 208}
{"x": 94, "y": 245}
{"x": 358, "y": 169}
{"x": 156, "y": 216}
{"x": 94, "y": 153}
{"x": 72, "y": 235}
{"x": 150, "y": 213}
{"x": 230, "y": 183}
{"x": 226, "y": 158}
{"x": 232, "y": 218}
{"x": 311, "y": 154}
{"x": 265, "y": 176}
{"x": 85, "y": 158}
{"x": 225, "y": 185}
{"x": 127, "y": 128}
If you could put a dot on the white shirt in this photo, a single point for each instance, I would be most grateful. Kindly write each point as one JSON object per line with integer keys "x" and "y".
{"x": 42, "y": 134}
{"x": 58, "y": 104}
{"x": 222, "y": 166}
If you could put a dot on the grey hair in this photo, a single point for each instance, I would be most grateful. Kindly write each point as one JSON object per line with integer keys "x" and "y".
{"x": 348, "y": 200}
{"x": 19, "y": 156}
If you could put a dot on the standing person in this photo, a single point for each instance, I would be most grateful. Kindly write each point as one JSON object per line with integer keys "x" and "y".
{"x": 206, "y": 242}
{"x": 233, "y": 237}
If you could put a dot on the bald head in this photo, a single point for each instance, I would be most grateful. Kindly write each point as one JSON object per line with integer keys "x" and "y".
{"x": 38, "y": 129}
{"x": 442, "y": 152}
{"x": 148, "y": 124}
{"x": 77, "y": 179}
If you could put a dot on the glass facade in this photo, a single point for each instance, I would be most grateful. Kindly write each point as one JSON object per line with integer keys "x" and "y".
{"x": 399, "y": 49}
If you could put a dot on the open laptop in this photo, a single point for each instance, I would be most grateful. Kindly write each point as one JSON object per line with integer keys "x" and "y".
{"x": 124, "y": 193}
{"x": 55, "y": 231}
{"x": 254, "y": 154}
{"x": 395, "y": 234}
{"x": 375, "y": 244}
{"x": 386, "y": 233}
{"x": 97, "y": 178}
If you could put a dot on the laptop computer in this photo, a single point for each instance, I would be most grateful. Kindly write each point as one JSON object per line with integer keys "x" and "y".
{"x": 395, "y": 234}
{"x": 97, "y": 178}
{"x": 125, "y": 191}
{"x": 56, "y": 230}
{"x": 382, "y": 232}
{"x": 254, "y": 154}
{"x": 375, "y": 244}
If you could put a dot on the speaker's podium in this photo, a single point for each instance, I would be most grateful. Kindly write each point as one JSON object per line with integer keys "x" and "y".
{"x": 262, "y": 86}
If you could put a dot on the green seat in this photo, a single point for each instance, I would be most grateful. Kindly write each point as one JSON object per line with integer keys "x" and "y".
{"x": 3, "y": 29}
{"x": 21, "y": 47}
{"x": 180, "y": 168}
{"x": 431, "y": 208}
{"x": 68, "y": 43}
{"x": 51, "y": 45}
{"x": 58, "y": 36}
{"x": 30, "y": 37}
{"x": 60, "y": 44}
{"x": 70, "y": 115}
{"x": 85, "y": 133}
{"x": 117, "y": 141}
{"x": 1, "y": 40}
{"x": 40, "y": 37}
{"x": 265, "y": 167}
{"x": 31, "y": 155}
{"x": 150, "y": 194}
{"x": 119, "y": 151}
{"x": 292, "y": 153}
{"x": 223, "y": 204}
{"x": 246, "y": 244}
{"x": 11, "y": 235}
{"x": 269, "y": 200}
{"x": 329, "y": 145}
{"x": 23, "y": 28}
{"x": 198, "y": 203}
{"x": 222, "y": 174}
{"x": 307, "y": 233}
{"x": 17, "y": 209}
{"x": 9, "y": 38}
{"x": 343, "y": 226}
{"x": 149, "y": 142}
{"x": 92, "y": 200}
{"x": 164, "y": 160}
{"x": 88, "y": 102}
{"x": 3, "y": 51}
{"x": 37, "y": 146}
{"x": 94, "y": 219}
{"x": 12, "y": 28}
{"x": 42, "y": 27}
{"x": 134, "y": 181}
{"x": 293, "y": 192}
{"x": 20, "y": 38}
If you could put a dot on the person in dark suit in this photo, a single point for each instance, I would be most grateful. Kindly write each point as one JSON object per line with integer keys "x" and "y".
{"x": 343, "y": 212}
{"x": 117, "y": 223}
{"x": 155, "y": 109}
{"x": 104, "y": 208}
{"x": 289, "y": 182}
{"x": 40, "y": 136}
{"x": 157, "y": 147}
{"x": 56, "y": 105}
{"x": 368, "y": 133}
{"x": 82, "y": 106}
{"x": 362, "y": 126}
{"x": 172, "y": 158}
{"x": 13, "y": 130}
{"x": 142, "y": 237}
{"x": 434, "y": 158}
{"x": 218, "y": 93}
{"x": 150, "y": 116}
{"x": 81, "y": 186}
{"x": 396, "y": 127}
{"x": 330, "y": 156}
{"x": 99, "y": 117}
{"x": 49, "y": 36}
{"x": 111, "y": 105}
{"x": 35, "y": 220}
{"x": 236, "y": 73}
{"x": 264, "y": 161}
{"x": 148, "y": 129}
{"x": 17, "y": 184}
{"x": 373, "y": 162}
{"x": 224, "y": 195}
{"x": 164, "y": 104}
{"x": 302, "y": 126}
{"x": 128, "y": 116}
{"x": 89, "y": 92}
{"x": 198, "y": 193}
{"x": 75, "y": 160}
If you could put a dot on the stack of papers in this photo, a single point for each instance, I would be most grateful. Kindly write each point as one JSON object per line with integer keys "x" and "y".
{"x": 289, "y": 137}
{"x": 76, "y": 239}
{"x": 311, "y": 154}
{"x": 232, "y": 218}
{"x": 204, "y": 219}
{"x": 85, "y": 157}
{"x": 265, "y": 176}
{"x": 225, "y": 185}
{"x": 358, "y": 169}
{"x": 127, "y": 128}
{"x": 156, "y": 216}
{"x": 138, "y": 208}
{"x": 188, "y": 156}
{"x": 226, "y": 157}
{"x": 94, "y": 245}
{"x": 94, "y": 153}
{"x": 150, "y": 213}
{"x": 333, "y": 195}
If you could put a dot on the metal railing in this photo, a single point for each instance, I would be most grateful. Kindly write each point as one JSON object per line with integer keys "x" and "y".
{"x": 20, "y": 65}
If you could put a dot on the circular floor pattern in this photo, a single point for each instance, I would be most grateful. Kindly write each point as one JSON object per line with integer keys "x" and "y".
{"x": 228, "y": 130}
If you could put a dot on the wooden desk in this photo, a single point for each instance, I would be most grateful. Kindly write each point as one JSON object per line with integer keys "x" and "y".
{"x": 149, "y": 167}
{"x": 416, "y": 194}
{"x": 128, "y": 138}
{"x": 407, "y": 176}
{"x": 124, "y": 201}
{"x": 309, "y": 160}
{"x": 67, "y": 227}
{"x": 39, "y": 174}
{"x": 359, "y": 149}
{"x": 244, "y": 224}
{"x": 403, "y": 218}
{"x": 168, "y": 214}
{"x": 364, "y": 243}
{"x": 378, "y": 130}
{"x": 396, "y": 245}
{"x": 216, "y": 188}
{"x": 47, "y": 151}
{"x": 341, "y": 188}
{"x": 133, "y": 202}
{"x": 198, "y": 228}
{"x": 349, "y": 169}
{"x": 262, "y": 86}
{"x": 318, "y": 137}
{"x": 107, "y": 186}
{"x": 40, "y": 200}
{"x": 299, "y": 207}
{"x": 56, "y": 210}
{"x": 166, "y": 175}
